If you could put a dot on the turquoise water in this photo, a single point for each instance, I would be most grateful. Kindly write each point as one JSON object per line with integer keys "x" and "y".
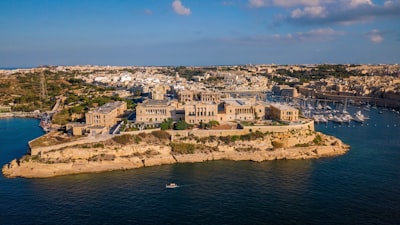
{"x": 361, "y": 187}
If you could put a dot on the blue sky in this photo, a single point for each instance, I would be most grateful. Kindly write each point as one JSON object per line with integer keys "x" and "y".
{"x": 198, "y": 32}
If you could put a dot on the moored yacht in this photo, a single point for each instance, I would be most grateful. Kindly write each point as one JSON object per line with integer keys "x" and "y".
{"x": 337, "y": 119}
{"x": 359, "y": 117}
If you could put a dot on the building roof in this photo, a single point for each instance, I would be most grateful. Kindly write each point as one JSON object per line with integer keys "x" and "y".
{"x": 283, "y": 106}
{"x": 108, "y": 107}
{"x": 237, "y": 101}
{"x": 154, "y": 102}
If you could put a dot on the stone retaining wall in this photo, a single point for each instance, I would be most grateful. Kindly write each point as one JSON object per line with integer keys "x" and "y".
{"x": 180, "y": 133}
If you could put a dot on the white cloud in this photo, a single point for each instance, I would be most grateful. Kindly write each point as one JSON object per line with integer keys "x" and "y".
{"x": 356, "y": 3}
{"x": 287, "y": 3}
{"x": 180, "y": 9}
{"x": 227, "y": 3}
{"x": 375, "y": 36}
{"x": 257, "y": 3}
{"x": 290, "y": 3}
{"x": 315, "y": 35}
{"x": 310, "y": 11}
{"x": 388, "y": 3}
{"x": 342, "y": 12}
{"x": 321, "y": 34}
{"x": 148, "y": 11}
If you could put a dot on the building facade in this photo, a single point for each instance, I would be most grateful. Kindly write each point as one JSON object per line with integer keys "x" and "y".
{"x": 197, "y": 112}
{"x": 106, "y": 115}
{"x": 185, "y": 96}
{"x": 242, "y": 110}
{"x": 156, "y": 111}
{"x": 210, "y": 97}
{"x": 284, "y": 112}
{"x": 200, "y": 112}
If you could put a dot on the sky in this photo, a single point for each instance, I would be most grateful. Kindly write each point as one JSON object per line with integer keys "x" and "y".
{"x": 198, "y": 32}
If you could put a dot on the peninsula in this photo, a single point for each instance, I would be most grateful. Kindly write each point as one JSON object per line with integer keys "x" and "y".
{"x": 155, "y": 147}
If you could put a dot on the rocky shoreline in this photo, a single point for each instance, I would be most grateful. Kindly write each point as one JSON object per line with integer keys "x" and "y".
{"x": 108, "y": 156}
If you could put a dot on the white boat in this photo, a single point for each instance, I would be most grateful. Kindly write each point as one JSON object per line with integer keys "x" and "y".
{"x": 320, "y": 118}
{"x": 359, "y": 117}
{"x": 171, "y": 185}
{"x": 323, "y": 119}
{"x": 316, "y": 118}
{"x": 347, "y": 118}
{"x": 337, "y": 119}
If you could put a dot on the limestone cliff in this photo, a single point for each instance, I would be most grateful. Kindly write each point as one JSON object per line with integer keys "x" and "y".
{"x": 134, "y": 151}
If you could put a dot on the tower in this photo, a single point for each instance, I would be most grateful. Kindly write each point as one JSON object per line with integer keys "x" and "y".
{"x": 43, "y": 87}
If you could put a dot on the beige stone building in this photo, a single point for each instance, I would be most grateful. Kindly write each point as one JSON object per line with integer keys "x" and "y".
{"x": 99, "y": 120}
{"x": 284, "y": 112}
{"x": 241, "y": 110}
{"x": 156, "y": 111}
{"x": 77, "y": 128}
{"x": 106, "y": 115}
{"x": 185, "y": 96}
{"x": 200, "y": 112}
{"x": 196, "y": 112}
{"x": 158, "y": 92}
{"x": 214, "y": 97}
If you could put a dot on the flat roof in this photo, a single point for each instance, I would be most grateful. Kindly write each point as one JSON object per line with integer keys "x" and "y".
{"x": 237, "y": 101}
{"x": 283, "y": 106}
{"x": 108, "y": 107}
{"x": 153, "y": 102}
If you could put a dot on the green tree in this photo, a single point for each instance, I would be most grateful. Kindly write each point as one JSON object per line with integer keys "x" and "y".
{"x": 167, "y": 124}
{"x": 181, "y": 125}
{"x": 213, "y": 123}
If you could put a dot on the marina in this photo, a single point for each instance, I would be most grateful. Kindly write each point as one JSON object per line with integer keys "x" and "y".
{"x": 336, "y": 112}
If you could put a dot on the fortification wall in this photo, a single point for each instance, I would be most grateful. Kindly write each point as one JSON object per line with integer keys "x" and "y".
{"x": 180, "y": 133}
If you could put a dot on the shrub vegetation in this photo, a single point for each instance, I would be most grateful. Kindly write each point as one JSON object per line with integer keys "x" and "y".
{"x": 182, "y": 148}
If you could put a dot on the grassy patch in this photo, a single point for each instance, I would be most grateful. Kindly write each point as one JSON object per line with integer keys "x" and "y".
{"x": 318, "y": 140}
{"x": 98, "y": 145}
{"x": 182, "y": 148}
{"x": 161, "y": 134}
{"x": 123, "y": 139}
{"x": 277, "y": 144}
{"x": 248, "y": 149}
{"x": 302, "y": 145}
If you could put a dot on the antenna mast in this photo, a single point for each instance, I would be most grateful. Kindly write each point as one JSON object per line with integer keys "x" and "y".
{"x": 43, "y": 87}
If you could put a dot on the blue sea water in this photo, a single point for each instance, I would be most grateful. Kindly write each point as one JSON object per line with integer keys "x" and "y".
{"x": 361, "y": 187}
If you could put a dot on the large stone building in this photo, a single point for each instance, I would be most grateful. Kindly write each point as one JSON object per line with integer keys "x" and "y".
{"x": 284, "y": 112}
{"x": 196, "y": 112}
{"x": 106, "y": 115}
{"x": 285, "y": 90}
{"x": 241, "y": 110}
{"x": 185, "y": 96}
{"x": 214, "y": 97}
{"x": 99, "y": 120}
{"x": 200, "y": 112}
{"x": 158, "y": 92}
{"x": 156, "y": 111}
